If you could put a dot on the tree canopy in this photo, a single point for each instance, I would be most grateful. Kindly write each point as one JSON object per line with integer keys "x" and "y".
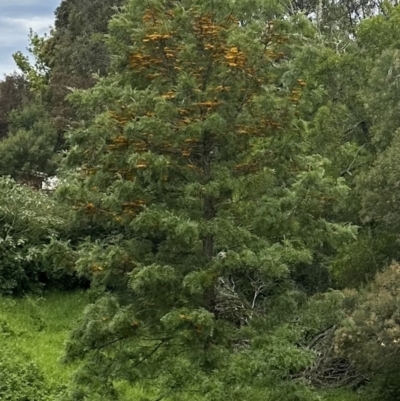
{"x": 227, "y": 189}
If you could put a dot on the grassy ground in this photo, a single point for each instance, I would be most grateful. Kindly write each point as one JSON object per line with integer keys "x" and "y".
{"x": 39, "y": 327}
{"x": 341, "y": 395}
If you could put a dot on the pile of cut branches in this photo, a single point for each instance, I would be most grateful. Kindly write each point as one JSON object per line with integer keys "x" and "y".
{"x": 330, "y": 370}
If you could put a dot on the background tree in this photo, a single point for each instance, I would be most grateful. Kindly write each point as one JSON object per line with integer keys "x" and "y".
{"x": 28, "y": 152}
{"x": 34, "y": 114}
{"x": 76, "y": 51}
{"x": 14, "y": 89}
{"x": 332, "y": 17}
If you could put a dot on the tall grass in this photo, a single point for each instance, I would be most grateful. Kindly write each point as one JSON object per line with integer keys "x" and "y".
{"x": 38, "y": 328}
{"x": 341, "y": 395}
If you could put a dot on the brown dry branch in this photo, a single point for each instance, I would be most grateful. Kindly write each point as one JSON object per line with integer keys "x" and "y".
{"x": 329, "y": 370}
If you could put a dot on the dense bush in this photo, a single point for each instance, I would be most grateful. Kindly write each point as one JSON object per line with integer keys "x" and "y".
{"x": 371, "y": 335}
{"x": 20, "y": 379}
{"x": 28, "y": 220}
{"x": 357, "y": 262}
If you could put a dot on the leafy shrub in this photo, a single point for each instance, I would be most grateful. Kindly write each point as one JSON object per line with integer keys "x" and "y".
{"x": 384, "y": 387}
{"x": 29, "y": 219}
{"x": 20, "y": 379}
{"x": 371, "y": 334}
{"x": 358, "y": 262}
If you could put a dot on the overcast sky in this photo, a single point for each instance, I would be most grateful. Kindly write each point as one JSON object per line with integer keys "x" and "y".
{"x": 16, "y": 17}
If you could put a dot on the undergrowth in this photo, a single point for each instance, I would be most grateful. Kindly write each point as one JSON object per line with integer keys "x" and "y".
{"x": 33, "y": 331}
{"x": 37, "y": 327}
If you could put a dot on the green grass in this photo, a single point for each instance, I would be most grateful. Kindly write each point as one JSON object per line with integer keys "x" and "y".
{"x": 39, "y": 326}
{"x": 341, "y": 395}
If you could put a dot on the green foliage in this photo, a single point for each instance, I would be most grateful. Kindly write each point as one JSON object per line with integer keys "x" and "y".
{"x": 14, "y": 89}
{"x": 371, "y": 334}
{"x": 31, "y": 143}
{"x": 222, "y": 155}
{"x": 28, "y": 219}
{"x": 32, "y": 332}
{"x": 381, "y": 33}
{"x": 36, "y": 73}
{"x": 78, "y": 41}
{"x": 20, "y": 379}
{"x": 67, "y": 58}
{"x": 342, "y": 395}
{"x": 193, "y": 160}
{"x": 357, "y": 263}
{"x": 380, "y": 189}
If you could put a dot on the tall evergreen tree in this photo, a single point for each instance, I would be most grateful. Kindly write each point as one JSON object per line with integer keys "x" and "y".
{"x": 192, "y": 158}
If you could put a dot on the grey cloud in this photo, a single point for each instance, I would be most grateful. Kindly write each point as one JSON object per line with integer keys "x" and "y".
{"x": 16, "y": 18}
